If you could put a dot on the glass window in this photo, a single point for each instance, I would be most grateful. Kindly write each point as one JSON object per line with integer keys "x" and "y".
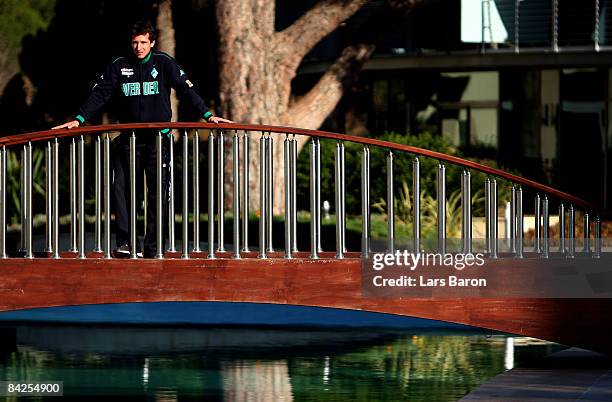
{"x": 480, "y": 86}
{"x": 483, "y": 128}
{"x": 380, "y": 94}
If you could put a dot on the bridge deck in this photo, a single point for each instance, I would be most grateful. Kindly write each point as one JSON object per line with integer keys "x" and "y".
{"x": 323, "y": 283}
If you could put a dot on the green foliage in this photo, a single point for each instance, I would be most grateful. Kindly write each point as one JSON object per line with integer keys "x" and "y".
{"x": 378, "y": 171}
{"x": 19, "y": 18}
{"x": 13, "y": 181}
{"x": 404, "y": 211}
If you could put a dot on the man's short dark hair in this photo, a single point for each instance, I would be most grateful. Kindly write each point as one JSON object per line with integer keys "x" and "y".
{"x": 142, "y": 28}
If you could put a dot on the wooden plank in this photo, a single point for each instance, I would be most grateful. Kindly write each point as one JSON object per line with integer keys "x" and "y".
{"x": 323, "y": 283}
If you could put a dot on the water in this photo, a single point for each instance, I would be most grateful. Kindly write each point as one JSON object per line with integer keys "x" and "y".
{"x": 240, "y": 364}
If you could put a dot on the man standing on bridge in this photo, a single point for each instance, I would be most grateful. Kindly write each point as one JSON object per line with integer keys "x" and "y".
{"x": 141, "y": 82}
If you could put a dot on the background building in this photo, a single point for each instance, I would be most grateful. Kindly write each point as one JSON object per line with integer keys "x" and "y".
{"x": 526, "y": 82}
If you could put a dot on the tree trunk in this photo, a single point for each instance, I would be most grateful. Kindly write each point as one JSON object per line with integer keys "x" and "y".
{"x": 8, "y": 67}
{"x": 166, "y": 43}
{"x": 257, "y": 64}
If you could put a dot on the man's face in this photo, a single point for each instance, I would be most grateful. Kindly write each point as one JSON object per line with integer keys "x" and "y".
{"x": 141, "y": 45}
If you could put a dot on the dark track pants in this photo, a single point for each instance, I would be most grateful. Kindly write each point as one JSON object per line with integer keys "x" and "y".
{"x": 146, "y": 164}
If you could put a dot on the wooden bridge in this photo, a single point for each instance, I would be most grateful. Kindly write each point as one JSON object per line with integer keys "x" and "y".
{"x": 52, "y": 277}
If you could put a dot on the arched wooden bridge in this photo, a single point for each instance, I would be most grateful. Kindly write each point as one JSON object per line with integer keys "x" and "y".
{"x": 52, "y": 277}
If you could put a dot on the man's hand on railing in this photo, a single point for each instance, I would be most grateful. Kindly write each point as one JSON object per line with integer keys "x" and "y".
{"x": 217, "y": 119}
{"x": 69, "y": 125}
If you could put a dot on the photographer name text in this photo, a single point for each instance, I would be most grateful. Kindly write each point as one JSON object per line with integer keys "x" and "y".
{"x": 398, "y": 270}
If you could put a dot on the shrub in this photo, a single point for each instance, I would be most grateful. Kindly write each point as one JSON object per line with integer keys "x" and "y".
{"x": 378, "y": 171}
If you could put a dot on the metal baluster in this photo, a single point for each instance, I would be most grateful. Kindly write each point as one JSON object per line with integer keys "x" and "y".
{"x": 270, "y": 191}
{"x": 537, "y": 225}
{"x": 587, "y": 233}
{"x": 555, "y": 26}
{"x": 81, "y": 196}
{"x": 28, "y": 199}
{"x": 221, "y": 192}
{"x": 416, "y": 209}
{"x": 22, "y": 190}
{"x": 572, "y": 232}
{"x": 441, "y": 208}
{"x": 463, "y": 211}
{"x": 196, "y": 191}
{"x": 55, "y": 192}
{"x": 48, "y": 195}
{"x": 545, "y": 227}
{"x": 185, "y": 239}
{"x": 512, "y": 219}
{"x": 262, "y": 196}
{"x": 487, "y": 211}
{"x": 29, "y": 251}
{"x": 73, "y": 195}
{"x": 288, "y": 212}
{"x": 236, "y": 200}
{"x": 519, "y": 223}
{"x": 468, "y": 212}
{"x": 338, "y": 198}
{"x": 3, "y": 202}
{"x": 293, "y": 164}
{"x": 390, "y": 204}
{"x": 171, "y": 214}
{"x": 133, "y": 233}
{"x": 211, "y": 195}
{"x": 159, "y": 234}
{"x": 318, "y": 193}
{"x": 145, "y": 205}
{"x": 245, "y": 192}
{"x": 562, "y": 228}
{"x": 314, "y": 249}
{"x": 493, "y": 216}
{"x": 597, "y": 253}
{"x": 517, "y": 20}
{"x": 343, "y": 195}
{"x": 365, "y": 202}
{"x": 107, "y": 191}
{"x": 596, "y": 30}
{"x": 97, "y": 195}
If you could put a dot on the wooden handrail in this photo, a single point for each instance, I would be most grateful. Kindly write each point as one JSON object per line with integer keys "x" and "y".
{"x": 18, "y": 139}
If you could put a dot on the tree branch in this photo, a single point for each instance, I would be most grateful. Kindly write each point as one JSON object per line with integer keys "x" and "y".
{"x": 233, "y": 14}
{"x": 167, "y": 43}
{"x": 165, "y": 28}
{"x": 313, "y": 26}
{"x": 310, "y": 110}
{"x": 264, "y": 16}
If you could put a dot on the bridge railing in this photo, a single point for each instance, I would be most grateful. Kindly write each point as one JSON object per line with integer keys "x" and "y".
{"x": 240, "y": 136}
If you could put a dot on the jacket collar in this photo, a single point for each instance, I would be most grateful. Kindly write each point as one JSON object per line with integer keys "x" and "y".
{"x": 143, "y": 61}
{"x": 146, "y": 59}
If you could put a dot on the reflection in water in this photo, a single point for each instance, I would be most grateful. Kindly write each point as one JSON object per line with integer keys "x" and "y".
{"x": 256, "y": 381}
{"x": 171, "y": 364}
{"x": 145, "y": 373}
{"x": 509, "y": 354}
{"x": 326, "y": 371}
{"x": 163, "y": 395}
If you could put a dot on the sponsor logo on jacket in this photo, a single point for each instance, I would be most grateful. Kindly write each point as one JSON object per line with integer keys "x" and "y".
{"x": 134, "y": 88}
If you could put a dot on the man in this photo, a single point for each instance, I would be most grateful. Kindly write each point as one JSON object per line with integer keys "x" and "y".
{"x": 142, "y": 83}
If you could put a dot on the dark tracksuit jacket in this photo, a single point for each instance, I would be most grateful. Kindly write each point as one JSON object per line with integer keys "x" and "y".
{"x": 142, "y": 90}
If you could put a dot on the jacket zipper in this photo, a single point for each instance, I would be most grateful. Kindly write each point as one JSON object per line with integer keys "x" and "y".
{"x": 140, "y": 95}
